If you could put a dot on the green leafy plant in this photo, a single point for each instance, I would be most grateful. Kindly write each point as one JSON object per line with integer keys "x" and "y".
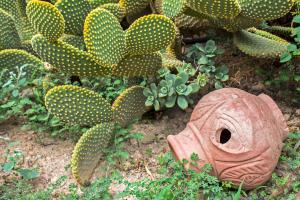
{"x": 109, "y": 87}
{"x": 117, "y": 153}
{"x": 11, "y": 100}
{"x": 176, "y": 182}
{"x": 12, "y": 165}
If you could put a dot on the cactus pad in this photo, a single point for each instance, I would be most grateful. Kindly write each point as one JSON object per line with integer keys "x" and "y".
{"x": 115, "y": 9}
{"x": 46, "y": 19}
{"x": 10, "y": 7}
{"x": 129, "y": 105}
{"x": 96, "y": 3}
{"x": 227, "y": 9}
{"x": 9, "y": 37}
{"x": 149, "y": 34}
{"x": 238, "y": 23}
{"x": 138, "y": 65}
{"x": 69, "y": 59}
{"x": 77, "y": 105}
{"x": 173, "y": 8}
{"x": 74, "y": 13}
{"x": 259, "y": 46}
{"x": 11, "y": 58}
{"x": 74, "y": 40}
{"x": 265, "y": 10}
{"x": 89, "y": 150}
{"x": 133, "y": 6}
{"x": 104, "y": 36}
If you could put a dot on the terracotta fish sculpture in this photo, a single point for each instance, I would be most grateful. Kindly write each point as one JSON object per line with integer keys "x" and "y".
{"x": 241, "y": 135}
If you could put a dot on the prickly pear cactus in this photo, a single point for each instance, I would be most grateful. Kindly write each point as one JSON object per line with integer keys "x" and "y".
{"x": 160, "y": 33}
{"x": 46, "y": 19}
{"x": 11, "y": 58}
{"x": 74, "y": 13}
{"x": 129, "y": 105}
{"x": 98, "y": 26}
{"x": 232, "y": 15}
{"x": 89, "y": 150}
{"x": 68, "y": 58}
{"x": 76, "y": 105}
{"x": 81, "y": 106}
{"x": 9, "y": 37}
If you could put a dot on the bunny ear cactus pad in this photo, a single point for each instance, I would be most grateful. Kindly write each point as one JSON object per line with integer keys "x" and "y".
{"x": 74, "y": 40}
{"x": 76, "y": 105}
{"x": 133, "y": 6}
{"x": 96, "y": 3}
{"x": 115, "y": 9}
{"x": 10, "y": 7}
{"x": 69, "y": 59}
{"x": 89, "y": 150}
{"x": 46, "y": 19}
{"x": 9, "y": 37}
{"x": 267, "y": 35}
{"x": 11, "y": 58}
{"x": 104, "y": 36}
{"x": 259, "y": 46}
{"x": 149, "y": 34}
{"x": 138, "y": 65}
{"x": 238, "y": 23}
{"x": 265, "y": 10}
{"x": 129, "y": 105}
{"x": 74, "y": 13}
{"x": 227, "y": 9}
{"x": 173, "y": 8}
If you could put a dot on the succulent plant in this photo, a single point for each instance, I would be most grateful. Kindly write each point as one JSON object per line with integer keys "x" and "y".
{"x": 171, "y": 90}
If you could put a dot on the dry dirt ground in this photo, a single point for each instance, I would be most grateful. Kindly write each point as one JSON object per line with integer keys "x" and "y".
{"x": 52, "y": 156}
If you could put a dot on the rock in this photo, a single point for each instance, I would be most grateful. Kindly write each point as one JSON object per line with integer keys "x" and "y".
{"x": 148, "y": 138}
{"x": 27, "y": 93}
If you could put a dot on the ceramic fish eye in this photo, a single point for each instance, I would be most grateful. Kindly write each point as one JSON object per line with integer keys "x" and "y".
{"x": 238, "y": 133}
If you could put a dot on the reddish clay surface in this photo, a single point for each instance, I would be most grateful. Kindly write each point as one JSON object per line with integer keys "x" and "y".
{"x": 238, "y": 133}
